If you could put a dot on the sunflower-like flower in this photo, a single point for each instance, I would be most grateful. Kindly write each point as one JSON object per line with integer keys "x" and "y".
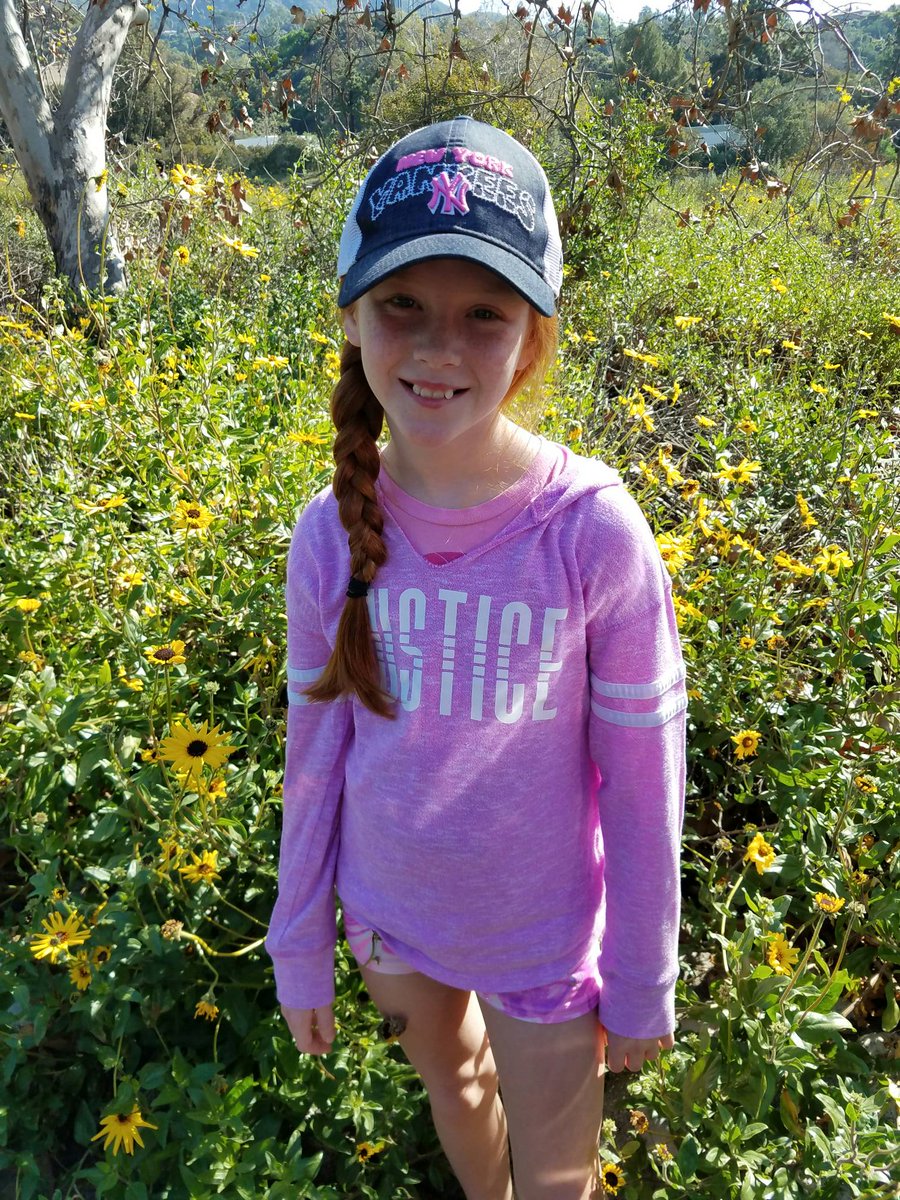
{"x": 168, "y": 655}
{"x": 205, "y": 1008}
{"x": 80, "y": 971}
{"x": 189, "y": 184}
{"x": 122, "y": 1129}
{"x": 745, "y": 742}
{"x": 781, "y": 955}
{"x": 612, "y": 1178}
{"x": 367, "y": 1150}
{"x": 240, "y": 247}
{"x": 27, "y": 605}
{"x": 760, "y": 853}
{"x": 828, "y": 903}
{"x": 62, "y": 934}
{"x": 191, "y": 516}
{"x": 204, "y": 868}
{"x": 191, "y": 747}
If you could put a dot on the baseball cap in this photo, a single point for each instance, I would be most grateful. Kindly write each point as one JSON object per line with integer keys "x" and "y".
{"x": 456, "y": 189}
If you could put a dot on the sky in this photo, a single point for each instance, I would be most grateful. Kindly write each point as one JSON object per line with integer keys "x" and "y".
{"x": 626, "y": 10}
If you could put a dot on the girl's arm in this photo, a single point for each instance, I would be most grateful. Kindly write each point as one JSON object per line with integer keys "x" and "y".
{"x": 637, "y": 739}
{"x": 303, "y": 929}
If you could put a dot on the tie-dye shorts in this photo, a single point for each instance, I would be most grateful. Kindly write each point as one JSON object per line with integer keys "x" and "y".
{"x": 577, "y": 993}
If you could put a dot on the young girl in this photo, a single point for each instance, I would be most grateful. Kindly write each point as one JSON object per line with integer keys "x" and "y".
{"x": 485, "y": 754}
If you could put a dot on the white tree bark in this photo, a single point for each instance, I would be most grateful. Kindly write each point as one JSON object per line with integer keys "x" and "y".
{"x": 63, "y": 153}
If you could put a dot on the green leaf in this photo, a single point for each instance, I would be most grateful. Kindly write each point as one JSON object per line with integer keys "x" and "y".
{"x": 817, "y": 1027}
{"x": 95, "y": 754}
{"x": 688, "y": 1157}
{"x": 790, "y": 1114}
{"x": 891, "y": 1014}
{"x": 69, "y": 714}
{"x": 104, "y": 674}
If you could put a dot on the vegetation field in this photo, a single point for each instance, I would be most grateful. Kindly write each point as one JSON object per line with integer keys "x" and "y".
{"x": 736, "y": 356}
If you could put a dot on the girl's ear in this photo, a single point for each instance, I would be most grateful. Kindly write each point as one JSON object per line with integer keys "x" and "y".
{"x": 529, "y": 349}
{"x": 351, "y": 325}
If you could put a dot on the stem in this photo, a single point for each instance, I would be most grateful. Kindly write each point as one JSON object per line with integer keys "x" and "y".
{"x": 802, "y": 964}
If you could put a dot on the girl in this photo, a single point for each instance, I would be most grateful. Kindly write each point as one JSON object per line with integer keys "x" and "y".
{"x": 485, "y": 748}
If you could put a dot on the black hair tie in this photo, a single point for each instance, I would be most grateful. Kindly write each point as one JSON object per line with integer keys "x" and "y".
{"x": 356, "y": 589}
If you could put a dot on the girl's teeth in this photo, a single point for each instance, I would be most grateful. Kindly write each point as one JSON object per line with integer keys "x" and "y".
{"x": 428, "y": 395}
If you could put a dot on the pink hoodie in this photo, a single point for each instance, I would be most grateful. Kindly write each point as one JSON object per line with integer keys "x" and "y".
{"x": 527, "y": 799}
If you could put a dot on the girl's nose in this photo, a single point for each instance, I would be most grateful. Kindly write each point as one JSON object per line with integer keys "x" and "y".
{"x": 439, "y": 345}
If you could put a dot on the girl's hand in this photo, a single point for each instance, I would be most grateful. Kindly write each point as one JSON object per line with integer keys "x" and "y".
{"x": 312, "y": 1028}
{"x": 622, "y": 1052}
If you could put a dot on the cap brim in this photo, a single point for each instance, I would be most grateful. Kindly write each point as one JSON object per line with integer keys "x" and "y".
{"x": 518, "y": 274}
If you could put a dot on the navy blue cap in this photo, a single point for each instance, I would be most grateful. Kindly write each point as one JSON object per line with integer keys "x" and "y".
{"x": 457, "y": 189}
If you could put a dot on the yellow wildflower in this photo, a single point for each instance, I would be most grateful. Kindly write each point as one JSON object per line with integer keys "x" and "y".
{"x": 809, "y": 520}
{"x": 122, "y": 1129}
{"x": 27, "y": 605}
{"x": 189, "y": 516}
{"x": 240, "y": 247}
{"x": 205, "y": 1008}
{"x": 829, "y": 904}
{"x": 782, "y": 956}
{"x": 760, "y": 853}
{"x": 169, "y": 655}
{"x": 746, "y": 742}
{"x": 62, "y": 933}
{"x": 831, "y": 559}
{"x": 190, "y": 747}
{"x": 675, "y": 551}
{"x": 203, "y": 869}
{"x": 80, "y": 971}
{"x": 651, "y": 359}
{"x": 612, "y": 1178}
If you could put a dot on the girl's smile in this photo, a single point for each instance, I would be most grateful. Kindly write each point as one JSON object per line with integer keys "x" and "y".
{"x": 442, "y": 343}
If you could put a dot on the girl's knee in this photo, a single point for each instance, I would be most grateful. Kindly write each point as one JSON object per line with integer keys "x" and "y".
{"x": 468, "y": 1088}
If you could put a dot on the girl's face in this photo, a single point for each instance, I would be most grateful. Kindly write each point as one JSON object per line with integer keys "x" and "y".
{"x": 442, "y": 342}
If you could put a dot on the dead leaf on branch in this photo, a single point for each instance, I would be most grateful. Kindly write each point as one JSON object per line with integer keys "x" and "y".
{"x": 366, "y": 19}
{"x": 298, "y": 16}
{"x": 456, "y": 50}
{"x": 384, "y": 47}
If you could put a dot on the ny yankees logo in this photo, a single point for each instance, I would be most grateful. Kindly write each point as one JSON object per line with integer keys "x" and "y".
{"x": 451, "y": 191}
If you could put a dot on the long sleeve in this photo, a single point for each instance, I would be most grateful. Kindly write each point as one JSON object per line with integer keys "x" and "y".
{"x": 637, "y": 740}
{"x": 302, "y": 931}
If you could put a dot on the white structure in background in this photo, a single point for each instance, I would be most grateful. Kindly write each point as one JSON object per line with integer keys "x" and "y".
{"x": 717, "y": 137}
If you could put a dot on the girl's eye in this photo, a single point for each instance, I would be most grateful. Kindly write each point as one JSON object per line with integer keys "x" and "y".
{"x": 485, "y": 314}
{"x": 400, "y": 301}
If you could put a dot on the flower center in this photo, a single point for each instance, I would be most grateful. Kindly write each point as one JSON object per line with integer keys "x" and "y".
{"x": 164, "y": 653}
{"x": 194, "y": 513}
{"x": 197, "y": 748}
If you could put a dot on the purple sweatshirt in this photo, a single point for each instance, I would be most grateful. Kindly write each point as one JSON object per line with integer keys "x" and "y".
{"x": 526, "y": 801}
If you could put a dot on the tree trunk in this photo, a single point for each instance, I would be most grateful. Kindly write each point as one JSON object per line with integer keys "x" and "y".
{"x": 63, "y": 154}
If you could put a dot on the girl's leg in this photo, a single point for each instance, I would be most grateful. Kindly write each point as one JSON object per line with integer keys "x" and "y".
{"x": 445, "y": 1040}
{"x": 552, "y": 1083}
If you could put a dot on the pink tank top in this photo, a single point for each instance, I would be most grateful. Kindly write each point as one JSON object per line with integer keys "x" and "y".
{"x": 442, "y": 534}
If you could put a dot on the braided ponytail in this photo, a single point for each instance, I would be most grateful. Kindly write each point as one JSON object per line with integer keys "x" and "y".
{"x": 358, "y": 419}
